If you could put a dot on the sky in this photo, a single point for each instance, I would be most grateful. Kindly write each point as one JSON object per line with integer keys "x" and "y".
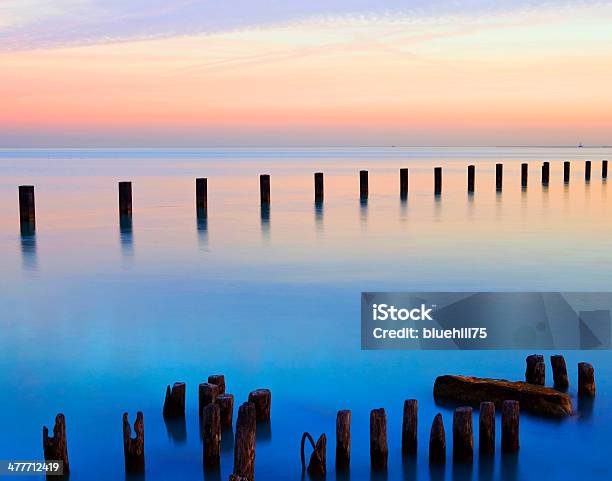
{"x": 151, "y": 73}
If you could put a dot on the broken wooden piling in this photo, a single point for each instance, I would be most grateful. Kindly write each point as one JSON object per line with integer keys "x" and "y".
{"x": 133, "y": 448}
{"x": 317, "y": 466}
{"x": 566, "y": 172}
{"x": 586, "y": 379}
{"x": 559, "y": 370}
{"x": 604, "y": 169}
{"x": 212, "y": 436}
{"x": 471, "y": 178}
{"x": 499, "y": 173}
{"x": 524, "y": 175}
{"x": 437, "y": 441}
{"x": 587, "y": 170}
{"x": 437, "y": 180}
{"x": 125, "y": 198}
{"x": 202, "y": 194}
{"x": 318, "y": 187}
{"x": 174, "y": 404}
{"x": 27, "y": 210}
{"x": 409, "y": 427}
{"x": 535, "y": 372}
{"x": 262, "y": 400}
{"x": 343, "y": 440}
{"x": 55, "y": 448}
{"x": 510, "y": 426}
{"x": 219, "y": 380}
{"x": 244, "y": 446}
{"x": 403, "y": 183}
{"x": 264, "y": 189}
{"x": 463, "y": 436}
{"x": 363, "y": 185}
{"x": 486, "y": 428}
{"x": 207, "y": 394}
{"x": 226, "y": 409}
{"x": 379, "y": 452}
{"x": 545, "y": 173}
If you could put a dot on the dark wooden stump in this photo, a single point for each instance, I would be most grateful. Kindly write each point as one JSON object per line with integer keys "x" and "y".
{"x": 244, "y": 446}
{"x": 219, "y": 380}
{"x": 262, "y": 400}
{"x": 207, "y": 394}
{"x": 174, "y": 404}
{"x": 604, "y": 169}
{"x": 318, "y": 187}
{"x": 471, "y": 178}
{"x": 486, "y": 428}
{"x": 559, "y": 370}
{"x": 545, "y": 173}
{"x": 212, "y": 436}
{"x": 499, "y": 175}
{"x": 27, "y": 210}
{"x": 202, "y": 194}
{"x": 343, "y": 440}
{"x": 586, "y": 379}
{"x": 463, "y": 435}
{"x": 133, "y": 448}
{"x": 587, "y": 170}
{"x": 510, "y": 426}
{"x": 363, "y": 184}
{"x": 566, "y": 172}
{"x": 437, "y": 441}
{"x": 403, "y": 183}
{"x": 535, "y": 373}
{"x": 125, "y": 198}
{"x": 409, "y": 427}
{"x": 317, "y": 466}
{"x": 379, "y": 452}
{"x": 264, "y": 189}
{"x": 437, "y": 180}
{"x": 524, "y": 175}
{"x": 226, "y": 409}
{"x": 56, "y": 448}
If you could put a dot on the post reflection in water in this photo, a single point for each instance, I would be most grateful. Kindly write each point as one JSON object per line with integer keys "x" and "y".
{"x": 265, "y": 220}
{"x": 318, "y": 209}
{"x": 177, "y": 430}
{"x": 202, "y": 225}
{"x": 126, "y": 234}
{"x": 28, "y": 246}
{"x": 509, "y": 467}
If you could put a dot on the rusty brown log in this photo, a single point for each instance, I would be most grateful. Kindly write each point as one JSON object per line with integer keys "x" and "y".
{"x": 133, "y": 448}
{"x": 379, "y": 452}
{"x": 586, "y": 379}
{"x": 559, "y": 369}
{"x": 244, "y": 446}
{"x": 409, "y": 427}
{"x": 262, "y": 400}
{"x": 486, "y": 428}
{"x": 207, "y": 394}
{"x": 226, "y": 409}
{"x": 535, "y": 372}
{"x": 212, "y": 436}
{"x": 55, "y": 448}
{"x": 174, "y": 404}
{"x": 463, "y": 435}
{"x": 510, "y": 426}
{"x": 437, "y": 441}
{"x": 343, "y": 440}
{"x": 219, "y": 380}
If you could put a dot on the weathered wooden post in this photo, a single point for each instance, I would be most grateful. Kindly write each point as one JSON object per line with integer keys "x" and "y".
{"x": 244, "y": 447}
{"x": 343, "y": 440}
{"x": 535, "y": 373}
{"x": 317, "y": 466}
{"x": 437, "y": 180}
{"x": 202, "y": 194}
{"x": 212, "y": 436}
{"x": 463, "y": 435}
{"x": 586, "y": 379}
{"x": 510, "y": 426}
{"x": 318, "y": 187}
{"x": 174, "y": 404}
{"x": 486, "y": 428}
{"x": 437, "y": 441}
{"x": 363, "y": 184}
{"x": 56, "y": 448}
{"x": 27, "y": 211}
{"x": 499, "y": 173}
{"x": 207, "y": 394}
{"x": 524, "y": 175}
{"x": 566, "y": 172}
{"x": 125, "y": 198}
{"x": 264, "y": 189}
{"x": 379, "y": 452}
{"x": 604, "y": 169}
{"x": 403, "y": 183}
{"x": 262, "y": 400}
{"x": 409, "y": 427}
{"x": 226, "y": 409}
{"x": 587, "y": 170}
{"x": 219, "y": 380}
{"x": 471, "y": 178}
{"x": 545, "y": 173}
{"x": 133, "y": 448}
{"x": 559, "y": 370}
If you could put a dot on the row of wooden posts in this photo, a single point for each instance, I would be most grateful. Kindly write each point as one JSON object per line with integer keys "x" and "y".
{"x": 28, "y": 214}
{"x": 535, "y": 373}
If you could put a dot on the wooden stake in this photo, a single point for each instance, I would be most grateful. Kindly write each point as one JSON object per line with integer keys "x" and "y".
{"x": 133, "y": 448}
{"x": 471, "y": 178}
{"x": 174, "y": 404}
{"x": 219, "y": 380}
{"x": 212, "y": 436}
{"x": 125, "y": 198}
{"x": 363, "y": 184}
{"x": 207, "y": 394}
{"x": 586, "y": 379}
{"x": 403, "y": 183}
{"x": 343, "y": 440}
{"x": 587, "y": 170}
{"x": 202, "y": 194}
{"x": 535, "y": 373}
{"x": 409, "y": 427}
{"x": 262, "y": 400}
{"x": 604, "y": 169}
{"x": 559, "y": 370}
{"x": 226, "y": 409}
{"x": 499, "y": 173}
{"x": 510, "y": 426}
{"x": 264, "y": 189}
{"x": 379, "y": 451}
{"x": 56, "y": 448}
{"x": 437, "y": 180}
{"x": 317, "y": 466}
{"x": 524, "y": 175}
{"x": 566, "y": 172}
{"x": 463, "y": 436}
{"x": 545, "y": 173}
{"x": 318, "y": 186}
{"x": 437, "y": 441}
{"x": 27, "y": 211}
{"x": 486, "y": 428}
{"x": 244, "y": 447}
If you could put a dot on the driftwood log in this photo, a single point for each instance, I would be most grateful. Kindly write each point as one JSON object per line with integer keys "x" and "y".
{"x": 486, "y": 428}
{"x": 409, "y": 427}
{"x": 437, "y": 441}
{"x": 317, "y": 466}
{"x": 343, "y": 440}
{"x": 262, "y": 400}
{"x": 379, "y": 452}
{"x": 474, "y": 390}
{"x": 463, "y": 435}
{"x": 133, "y": 448}
{"x": 56, "y": 448}
{"x": 244, "y": 446}
{"x": 174, "y": 404}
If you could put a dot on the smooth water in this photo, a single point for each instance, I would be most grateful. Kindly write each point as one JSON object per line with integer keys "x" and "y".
{"x": 97, "y": 319}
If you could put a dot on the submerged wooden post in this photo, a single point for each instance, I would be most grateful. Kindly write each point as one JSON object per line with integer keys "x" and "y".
{"x": 587, "y": 170}
{"x": 212, "y": 436}
{"x": 264, "y": 189}
{"x": 317, "y": 466}
{"x": 318, "y": 187}
{"x": 219, "y": 380}
{"x": 226, "y": 409}
{"x": 510, "y": 426}
{"x": 174, "y": 404}
{"x": 207, "y": 394}
{"x": 545, "y": 173}
{"x": 133, "y": 448}
{"x": 262, "y": 400}
{"x": 524, "y": 174}
{"x": 202, "y": 193}
{"x": 403, "y": 183}
{"x": 363, "y": 184}
{"x": 437, "y": 441}
{"x": 409, "y": 427}
{"x": 379, "y": 452}
{"x": 244, "y": 446}
{"x": 471, "y": 176}
{"x": 499, "y": 173}
{"x": 437, "y": 180}
{"x": 586, "y": 379}
{"x": 535, "y": 373}
{"x": 604, "y": 169}
{"x": 56, "y": 448}
{"x": 566, "y": 171}
{"x": 27, "y": 211}
{"x": 486, "y": 428}
{"x": 125, "y": 198}
{"x": 343, "y": 440}
{"x": 463, "y": 436}
{"x": 559, "y": 370}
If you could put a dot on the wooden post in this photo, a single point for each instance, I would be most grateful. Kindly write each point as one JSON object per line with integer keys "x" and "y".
{"x": 27, "y": 211}
{"x": 566, "y": 172}
{"x": 244, "y": 446}
{"x": 463, "y": 436}
{"x": 535, "y": 373}
{"x": 363, "y": 184}
{"x": 174, "y": 404}
{"x": 524, "y": 175}
{"x": 499, "y": 173}
{"x": 262, "y": 400}
{"x": 559, "y": 370}
{"x": 343, "y": 440}
{"x": 133, "y": 448}
{"x": 545, "y": 173}
{"x": 486, "y": 428}
{"x": 604, "y": 169}
{"x": 207, "y": 394}
{"x": 264, "y": 189}
{"x": 403, "y": 183}
{"x": 437, "y": 441}
{"x": 125, "y": 198}
{"x": 379, "y": 451}
{"x": 587, "y": 170}
{"x": 226, "y": 409}
{"x": 318, "y": 187}
{"x": 586, "y": 379}
{"x": 56, "y": 448}
{"x": 409, "y": 427}
{"x": 510, "y": 426}
{"x": 219, "y": 380}
{"x": 437, "y": 180}
{"x": 471, "y": 176}
{"x": 202, "y": 194}
{"x": 212, "y": 436}
{"x": 317, "y": 466}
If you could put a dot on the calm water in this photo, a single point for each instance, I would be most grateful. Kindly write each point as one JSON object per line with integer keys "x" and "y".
{"x": 96, "y": 321}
